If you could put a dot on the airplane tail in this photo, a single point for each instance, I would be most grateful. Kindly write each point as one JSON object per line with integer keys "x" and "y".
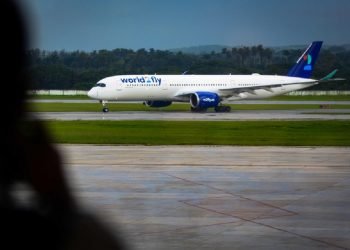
{"x": 304, "y": 66}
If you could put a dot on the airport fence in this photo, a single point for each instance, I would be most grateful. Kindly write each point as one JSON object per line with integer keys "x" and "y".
{"x": 58, "y": 92}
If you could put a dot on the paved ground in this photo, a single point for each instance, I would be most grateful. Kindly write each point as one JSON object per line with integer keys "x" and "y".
{"x": 231, "y": 102}
{"x": 317, "y": 114}
{"x": 196, "y": 197}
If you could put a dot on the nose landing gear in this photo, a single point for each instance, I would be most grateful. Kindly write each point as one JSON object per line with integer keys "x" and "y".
{"x": 105, "y": 109}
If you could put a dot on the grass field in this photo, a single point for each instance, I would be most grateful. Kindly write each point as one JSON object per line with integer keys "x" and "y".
{"x": 113, "y": 106}
{"x": 248, "y": 133}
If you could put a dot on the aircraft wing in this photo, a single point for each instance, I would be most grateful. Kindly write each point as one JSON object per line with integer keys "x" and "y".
{"x": 269, "y": 87}
{"x": 251, "y": 89}
{"x": 225, "y": 93}
{"x": 232, "y": 91}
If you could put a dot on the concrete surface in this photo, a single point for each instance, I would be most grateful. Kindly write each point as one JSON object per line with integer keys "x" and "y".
{"x": 231, "y": 102}
{"x": 197, "y": 197}
{"x": 317, "y": 114}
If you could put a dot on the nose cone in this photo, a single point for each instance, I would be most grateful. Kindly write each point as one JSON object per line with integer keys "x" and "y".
{"x": 92, "y": 93}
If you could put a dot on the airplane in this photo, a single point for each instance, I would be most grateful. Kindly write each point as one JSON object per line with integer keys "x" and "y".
{"x": 207, "y": 91}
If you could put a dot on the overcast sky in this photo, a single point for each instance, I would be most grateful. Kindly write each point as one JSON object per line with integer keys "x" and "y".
{"x": 162, "y": 24}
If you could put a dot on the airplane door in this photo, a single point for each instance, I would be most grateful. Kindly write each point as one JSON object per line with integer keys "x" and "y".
{"x": 119, "y": 86}
{"x": 164, "y": 84}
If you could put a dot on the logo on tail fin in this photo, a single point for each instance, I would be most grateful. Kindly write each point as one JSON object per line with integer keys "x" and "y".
{"x": 308, "y": 66}
{"x": 304, "y": 66}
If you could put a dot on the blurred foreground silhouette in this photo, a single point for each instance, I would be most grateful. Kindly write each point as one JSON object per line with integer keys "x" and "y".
{"x": 37, "y": 209}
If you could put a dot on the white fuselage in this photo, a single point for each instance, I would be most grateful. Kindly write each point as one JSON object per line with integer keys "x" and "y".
{"x": 179, "y": 87}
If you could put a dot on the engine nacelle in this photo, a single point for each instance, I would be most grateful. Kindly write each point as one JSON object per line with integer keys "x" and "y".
{"x": 157, "y": 104}
{"x": 204, "y": 100}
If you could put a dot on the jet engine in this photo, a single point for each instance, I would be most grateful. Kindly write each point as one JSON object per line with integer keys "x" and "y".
{"x": 204, "y": 100}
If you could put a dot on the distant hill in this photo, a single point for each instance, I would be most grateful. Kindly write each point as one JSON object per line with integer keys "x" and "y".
{"x": 207, "y": 49}
{"x": 333, "y": 48}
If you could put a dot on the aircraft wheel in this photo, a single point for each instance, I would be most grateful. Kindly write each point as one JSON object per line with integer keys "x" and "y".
{"x": 105, "y": 110}
{"x": 222, "y": 109}
{"x": 198, "y": 109}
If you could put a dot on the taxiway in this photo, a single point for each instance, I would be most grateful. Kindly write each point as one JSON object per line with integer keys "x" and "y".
{"x": 197, "y": 197}
{"x": 309, "y": 114}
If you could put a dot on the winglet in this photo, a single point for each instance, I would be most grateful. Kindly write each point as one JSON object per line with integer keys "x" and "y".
{"x": 304, "y": 66}
{"x": 329, "y": 76}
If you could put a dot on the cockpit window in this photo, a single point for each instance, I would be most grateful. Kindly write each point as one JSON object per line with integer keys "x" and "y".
{"x": 100, "y": 85}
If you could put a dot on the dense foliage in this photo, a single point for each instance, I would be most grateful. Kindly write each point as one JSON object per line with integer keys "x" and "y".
{"x": 80, "y": 70}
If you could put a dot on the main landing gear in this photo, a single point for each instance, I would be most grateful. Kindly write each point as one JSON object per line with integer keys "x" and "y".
{"x": 105, "y": 109}
{"x": 222, "y": 109}
{"x": 218, "y": 109}
{"x": 198, "y": 110}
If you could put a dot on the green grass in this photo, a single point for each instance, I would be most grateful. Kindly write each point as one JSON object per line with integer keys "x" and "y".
{"x": 96, "y": 107}
{"x": 247, "y": 133}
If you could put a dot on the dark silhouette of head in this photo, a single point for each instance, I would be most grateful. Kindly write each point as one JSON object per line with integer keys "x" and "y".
{"x": 49, "y": 218}
{"x": 14, "y": 41}
{"x": 14, "y": 87}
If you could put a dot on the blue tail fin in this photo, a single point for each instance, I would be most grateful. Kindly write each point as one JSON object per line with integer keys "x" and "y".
{"x": 305, "y": 64}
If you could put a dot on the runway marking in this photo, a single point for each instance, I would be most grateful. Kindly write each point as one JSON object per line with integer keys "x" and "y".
{"x": 207, "y": 219}
{"x": 189, "y": 228}
{"x": 291, "y": 213}
{"x": 272, "y": 227}
{"x": 229, "y": 165}
{"x": 232, "y": 194}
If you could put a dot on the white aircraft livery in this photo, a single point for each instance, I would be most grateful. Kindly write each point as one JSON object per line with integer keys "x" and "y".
{"x": 207, "y": 91}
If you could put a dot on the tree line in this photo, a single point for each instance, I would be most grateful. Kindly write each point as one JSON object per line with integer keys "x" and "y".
{"x": 81, "y": 70}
